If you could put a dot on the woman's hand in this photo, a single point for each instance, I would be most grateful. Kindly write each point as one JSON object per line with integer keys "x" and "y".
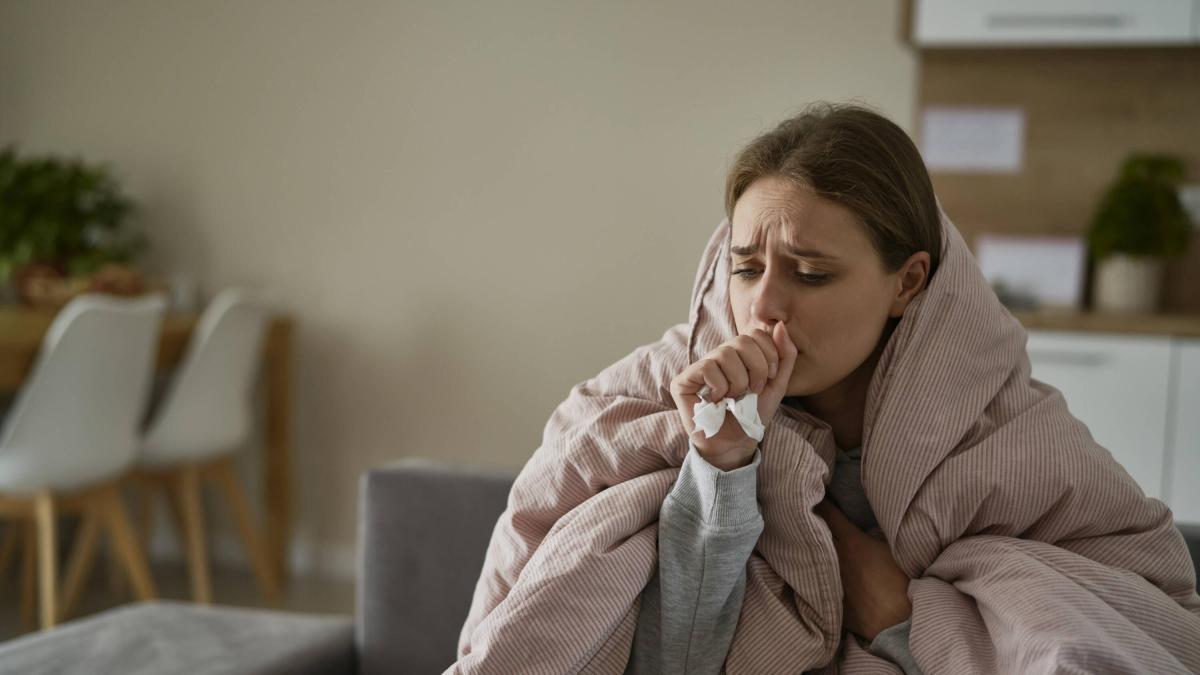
{"x": 875, "y": 588}
{"x": 758, "y": 362}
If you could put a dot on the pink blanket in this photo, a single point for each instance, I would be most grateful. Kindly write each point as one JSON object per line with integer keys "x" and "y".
{"x": 1030, "y": 549}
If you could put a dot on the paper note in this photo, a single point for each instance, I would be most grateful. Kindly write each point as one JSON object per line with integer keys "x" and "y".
{"x": 968, "y": 139}
{"x": 1044, "y": 271}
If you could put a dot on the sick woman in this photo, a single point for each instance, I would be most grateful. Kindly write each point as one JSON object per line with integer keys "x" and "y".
{"x": 839, "y": 463}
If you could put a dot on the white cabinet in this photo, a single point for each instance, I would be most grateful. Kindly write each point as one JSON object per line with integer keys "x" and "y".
{"x": 1019, "y": 23}
{"x": 1183, "y": 443}
{"x": 1119, "y": 386}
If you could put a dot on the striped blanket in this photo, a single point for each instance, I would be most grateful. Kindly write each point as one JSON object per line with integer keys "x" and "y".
{"x": 1029, "y": 548}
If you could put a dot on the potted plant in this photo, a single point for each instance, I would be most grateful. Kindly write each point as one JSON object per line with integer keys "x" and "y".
{"x": 1139, "y": 223}
{"x": 63, "y": 230}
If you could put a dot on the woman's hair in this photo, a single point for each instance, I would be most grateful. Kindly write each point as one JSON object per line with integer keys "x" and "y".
{"x": 858, "y": 158}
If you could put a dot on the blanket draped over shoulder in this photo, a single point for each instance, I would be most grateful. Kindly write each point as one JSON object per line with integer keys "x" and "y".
{"x": 1029, "y": 547}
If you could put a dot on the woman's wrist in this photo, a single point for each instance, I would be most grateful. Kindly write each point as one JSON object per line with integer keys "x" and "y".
{"x": 732, "y": 459}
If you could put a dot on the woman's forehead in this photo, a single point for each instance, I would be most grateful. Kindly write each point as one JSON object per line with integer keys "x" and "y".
{"x": 810, "y": 236}
{"x": 767, "y": 205}
{"x": 819, "y": 233}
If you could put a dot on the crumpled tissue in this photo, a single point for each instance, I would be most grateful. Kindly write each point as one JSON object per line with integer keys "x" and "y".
{"x": 710, "y": 416}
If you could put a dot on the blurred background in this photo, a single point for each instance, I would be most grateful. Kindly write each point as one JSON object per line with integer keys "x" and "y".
{"x": 465, "y": 208}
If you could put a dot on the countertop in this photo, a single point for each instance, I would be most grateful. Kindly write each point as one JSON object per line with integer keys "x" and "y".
{"x": 1179, "y": 325}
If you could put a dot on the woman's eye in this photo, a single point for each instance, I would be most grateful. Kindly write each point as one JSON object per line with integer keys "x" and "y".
{"x": 808, "y": 278}
{"x": 813, "y": 278}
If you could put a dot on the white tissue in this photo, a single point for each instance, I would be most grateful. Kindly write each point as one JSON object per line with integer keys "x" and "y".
{"x": 710, "y": 416}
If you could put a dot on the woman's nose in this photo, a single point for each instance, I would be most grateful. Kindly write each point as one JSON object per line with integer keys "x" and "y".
{"x": 769, "y": 302}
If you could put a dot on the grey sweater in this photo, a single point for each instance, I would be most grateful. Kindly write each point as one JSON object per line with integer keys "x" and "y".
{"x": 708, "y": 525}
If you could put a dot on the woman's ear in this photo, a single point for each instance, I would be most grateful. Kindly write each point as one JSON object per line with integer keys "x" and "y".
{"x": 910, "y": 280}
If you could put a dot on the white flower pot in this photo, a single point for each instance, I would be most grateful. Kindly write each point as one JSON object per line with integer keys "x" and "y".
{"x": 1127, "y": 283}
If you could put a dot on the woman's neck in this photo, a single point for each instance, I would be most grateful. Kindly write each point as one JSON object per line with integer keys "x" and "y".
{"x": 843, "y": 405}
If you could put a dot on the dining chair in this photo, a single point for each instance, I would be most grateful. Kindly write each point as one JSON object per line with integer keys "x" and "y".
{"x": 72, "y": 434}
{"x": 205, "y": 416}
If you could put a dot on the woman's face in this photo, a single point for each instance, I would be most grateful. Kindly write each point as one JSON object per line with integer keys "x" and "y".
{"x": 806, "y": 261}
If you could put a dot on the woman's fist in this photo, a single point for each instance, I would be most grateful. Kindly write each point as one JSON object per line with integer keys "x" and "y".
{"x": 758, "y": 362}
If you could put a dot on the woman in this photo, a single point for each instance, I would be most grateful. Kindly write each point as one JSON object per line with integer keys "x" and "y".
{"x": 988, "y": 531}
{"x": 800, "y": 259}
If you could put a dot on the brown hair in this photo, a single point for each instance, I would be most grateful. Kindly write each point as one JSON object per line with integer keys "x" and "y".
{"x": 854, "y": 156}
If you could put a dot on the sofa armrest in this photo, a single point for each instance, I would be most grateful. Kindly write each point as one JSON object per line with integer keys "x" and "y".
{"x": 424, "y": 527}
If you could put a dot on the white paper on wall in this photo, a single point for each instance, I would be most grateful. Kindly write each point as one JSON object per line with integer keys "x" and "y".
{"x": 973, "y": 139}
{"x": 1047, "y": 270}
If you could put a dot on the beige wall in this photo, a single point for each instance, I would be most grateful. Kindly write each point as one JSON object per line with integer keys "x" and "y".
{"x": 469, "y": 207}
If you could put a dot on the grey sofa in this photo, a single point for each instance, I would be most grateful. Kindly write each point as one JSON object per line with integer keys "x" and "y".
{"x": 423, "y": 530}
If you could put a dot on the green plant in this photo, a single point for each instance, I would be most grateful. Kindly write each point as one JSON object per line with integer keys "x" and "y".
{"x": 1140, "y": 213}
{"x": 64, "y": 213}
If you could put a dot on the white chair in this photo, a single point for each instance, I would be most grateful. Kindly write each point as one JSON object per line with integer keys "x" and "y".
{"x": 205, "y": 416}
{"x": 72, "y": 433}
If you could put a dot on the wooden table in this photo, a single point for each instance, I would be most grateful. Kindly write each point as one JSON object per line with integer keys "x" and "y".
{"x": 21, "y": 332}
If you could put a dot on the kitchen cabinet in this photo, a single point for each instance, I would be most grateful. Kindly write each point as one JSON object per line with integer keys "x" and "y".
{"x": 1055, "y": 23}
{"x": 1119, "y": 386}
{"x": 1182, "y": 472}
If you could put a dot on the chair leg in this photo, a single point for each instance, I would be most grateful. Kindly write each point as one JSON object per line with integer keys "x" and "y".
{"x": 28, "y": 575}
{"x": 118, "y": 577}
{"x": 187, "y": 485}
{"x": 145, "y": 516}
{"x": 256, "y": 547}
{"x": 80, "y": 565}
{"x": 175, "y": 507}
{"x": 8, "y": 548}
{"x": 126, "y": 543}
{"x": 114, "y": 569}
{"x": 43, "y": 508}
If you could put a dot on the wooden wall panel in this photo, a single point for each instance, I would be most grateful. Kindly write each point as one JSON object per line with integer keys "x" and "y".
{"x": 1086, "y": 109}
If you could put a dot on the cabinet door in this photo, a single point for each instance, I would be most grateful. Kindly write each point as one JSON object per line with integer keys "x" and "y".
{"x": 1118, "y": 386}
{"x": 1183, "y": 448}
{"x": 998, "y": 23}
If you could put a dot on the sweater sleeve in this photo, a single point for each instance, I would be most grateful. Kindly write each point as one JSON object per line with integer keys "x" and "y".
{"x": 708, "y": 525}
{"x": 892, "y": 644}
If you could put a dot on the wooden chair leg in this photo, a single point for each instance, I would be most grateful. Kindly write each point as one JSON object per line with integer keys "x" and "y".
{"x": 126, "y": 543}
{"x": 80, "y": 564}
{"x": 256, "y": 547}
{"x": 145, "y": 516}
{"x": 8, "y": 549}
{"x": 47, "y": 536}
{"x": 187, "y": 485}
{"x": 175, "y": 507}
{"x": 29, "y": 575}
{"x": 118, "y": 578}
{"x": 114, "y": 568}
